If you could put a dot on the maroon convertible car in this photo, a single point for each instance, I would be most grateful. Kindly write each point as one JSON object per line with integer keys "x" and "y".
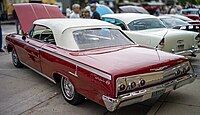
{"x": 93, "y": 59}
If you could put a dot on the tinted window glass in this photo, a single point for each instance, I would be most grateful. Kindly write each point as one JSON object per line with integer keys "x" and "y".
{"x": 143, "y": 24}
{"x": 190, "y": 12}
{"x": 172, "y": 22}
{"x": 115, "y": 22}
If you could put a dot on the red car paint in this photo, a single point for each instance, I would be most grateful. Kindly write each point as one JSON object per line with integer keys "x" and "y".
{"x": 32, "y": 12}
{"x": 118, "y": 61}
{"x": 194, "y": 17}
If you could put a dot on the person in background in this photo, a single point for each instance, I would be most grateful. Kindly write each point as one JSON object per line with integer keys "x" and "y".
{"x": 16, "y": 21}
{"x": 76, "y": 11}
{"x": 1, "y": 40}
{"x": 86, "y": 14}
{"x": 172, "y": 10}
{"x": 68, "y": 12}
{"x": 95, "y": 14}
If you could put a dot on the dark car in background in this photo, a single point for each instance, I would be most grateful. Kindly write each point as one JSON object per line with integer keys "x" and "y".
{"x": 132, "y": 9}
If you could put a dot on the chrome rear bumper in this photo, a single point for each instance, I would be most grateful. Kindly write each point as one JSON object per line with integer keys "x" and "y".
{"x": 190, "y": 52}
{"x": 144, "y": 94}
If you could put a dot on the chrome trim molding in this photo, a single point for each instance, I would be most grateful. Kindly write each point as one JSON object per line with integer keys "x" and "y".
{"x": 73, "y": 74}
{"x": 141, "y": 95}
{"x": 100, "y": 73}
{"x": 151, "y": 78}
{"x": 187, "y": 52}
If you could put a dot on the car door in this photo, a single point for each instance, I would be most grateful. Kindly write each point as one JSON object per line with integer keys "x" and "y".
{"x": 47, "y": 57}
{"x": 33, "y": 47}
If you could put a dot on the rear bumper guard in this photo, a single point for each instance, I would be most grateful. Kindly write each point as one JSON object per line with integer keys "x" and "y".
{"x": 190, "y": 52}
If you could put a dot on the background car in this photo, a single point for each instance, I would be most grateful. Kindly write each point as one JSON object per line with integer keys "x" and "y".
{"x": 180, "y": 22}
{"x": 101, "y": 9}
{"x": 132, "y": 9}
{"x": 148, "y": 30}
{"x": 181, "y": 17}
{"x": 170, "y": 22}
{"x": 191, "y": 13}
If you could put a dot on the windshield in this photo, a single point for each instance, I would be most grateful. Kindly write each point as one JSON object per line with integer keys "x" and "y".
{"x": 190, "y": 12}
{"x": 173, "y": 22}
{"x": 99, "y": 38}
{"x": 143, "y": 24}
{"x": 183, "y": 18}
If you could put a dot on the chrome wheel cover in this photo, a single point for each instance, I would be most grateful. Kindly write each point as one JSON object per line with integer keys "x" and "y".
{"x": 14, "y": 58}
{"x": 67, "y": 89}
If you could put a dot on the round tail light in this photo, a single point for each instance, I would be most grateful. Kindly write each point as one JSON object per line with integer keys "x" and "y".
{"x": 187, "y": 68}
{"x": 132, "y": 85}
{"x": 122, "y": 87}
{"x": 142, "y": 82}
{"x": 178, "y": 72}
{"x": 197, "y": 37}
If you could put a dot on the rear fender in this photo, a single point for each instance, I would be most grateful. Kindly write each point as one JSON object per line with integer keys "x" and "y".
{"x": 144, "y": 39}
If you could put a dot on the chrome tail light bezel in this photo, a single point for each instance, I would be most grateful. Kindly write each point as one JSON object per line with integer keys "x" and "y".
{"x": 161, "y": 76}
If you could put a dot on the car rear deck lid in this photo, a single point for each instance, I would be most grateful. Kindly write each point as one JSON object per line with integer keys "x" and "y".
{"x": 27, "y": 13}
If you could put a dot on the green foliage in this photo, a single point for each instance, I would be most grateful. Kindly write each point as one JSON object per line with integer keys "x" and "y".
{"x": 197, "y": 2}
{"x": 183, "y": 2}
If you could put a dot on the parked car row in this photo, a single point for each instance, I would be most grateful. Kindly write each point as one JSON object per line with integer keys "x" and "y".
{"x": 149, "y": 31}
{"x": 115, "y": 62}
{"x": 191, "y": 13}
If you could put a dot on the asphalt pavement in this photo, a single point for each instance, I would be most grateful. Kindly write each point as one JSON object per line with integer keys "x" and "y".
{"x": 25, "y": 92}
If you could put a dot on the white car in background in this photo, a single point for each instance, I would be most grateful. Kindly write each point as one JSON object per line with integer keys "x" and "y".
{"x": 149, "y": 31}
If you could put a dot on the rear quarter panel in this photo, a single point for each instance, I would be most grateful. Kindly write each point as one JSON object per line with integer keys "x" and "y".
{"x": 144, "y": 39}
{"x": 86, "y": 83}
{"x": 188, "y": 38}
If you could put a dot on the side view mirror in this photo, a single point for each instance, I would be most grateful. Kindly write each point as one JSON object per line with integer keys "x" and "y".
{"x": 24, "y": 38}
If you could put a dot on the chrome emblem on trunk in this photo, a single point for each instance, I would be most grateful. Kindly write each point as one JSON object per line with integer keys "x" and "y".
{"x": 159, "y": 69}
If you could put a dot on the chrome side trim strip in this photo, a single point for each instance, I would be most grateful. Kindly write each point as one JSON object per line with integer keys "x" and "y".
{"x": 98, "y": 72}
{"x": 39, "y": 73}
{"x": 102, "y": 74}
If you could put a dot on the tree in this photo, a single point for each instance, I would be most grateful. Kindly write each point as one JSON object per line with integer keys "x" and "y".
{"x": 197, "y": 2}
{"x": 183, "y": 2}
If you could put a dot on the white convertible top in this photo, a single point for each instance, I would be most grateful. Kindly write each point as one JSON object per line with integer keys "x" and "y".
{"x": 128, "y": 17}
{"x": 63, "y": 29}
{"x": 59, "y": 25}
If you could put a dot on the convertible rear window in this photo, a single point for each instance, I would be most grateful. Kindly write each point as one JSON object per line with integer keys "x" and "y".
{"x": 99, "y": 38}
{"x": 143, "y": 24}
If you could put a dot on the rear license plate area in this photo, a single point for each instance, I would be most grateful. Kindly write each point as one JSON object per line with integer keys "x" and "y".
{"x": 180, "y": 45}
{"x": 158, "y": 93}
